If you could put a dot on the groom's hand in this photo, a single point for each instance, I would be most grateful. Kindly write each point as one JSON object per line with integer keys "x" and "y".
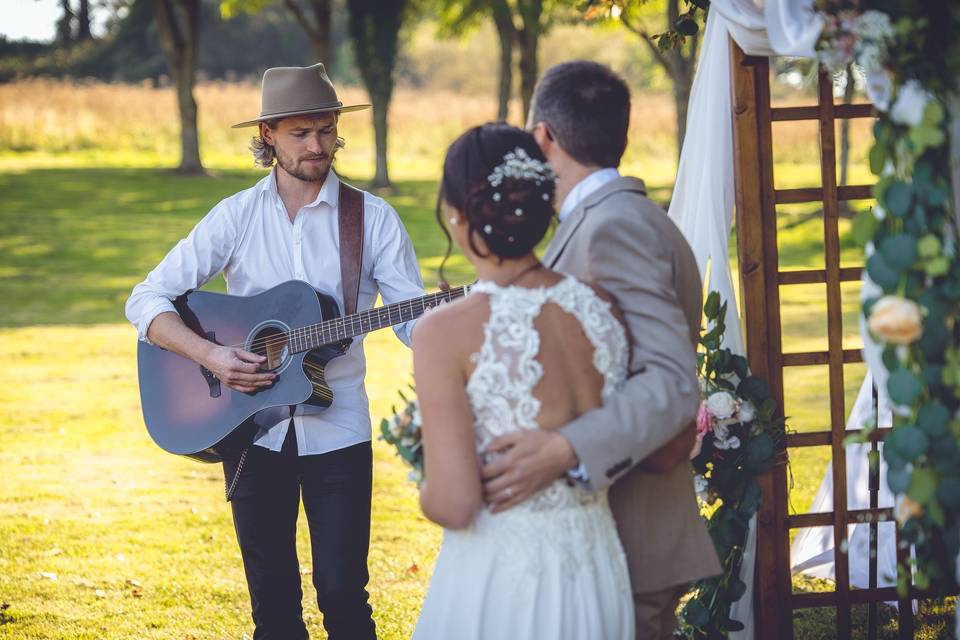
{"x": 531, "y": 460}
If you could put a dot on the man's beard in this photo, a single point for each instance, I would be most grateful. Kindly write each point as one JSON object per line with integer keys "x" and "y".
{"x": 311, "y": 173}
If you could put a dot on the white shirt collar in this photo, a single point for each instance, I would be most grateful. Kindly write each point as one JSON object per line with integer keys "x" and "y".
{"x": 586, "y": 187}
{"x": 329, "y": 192}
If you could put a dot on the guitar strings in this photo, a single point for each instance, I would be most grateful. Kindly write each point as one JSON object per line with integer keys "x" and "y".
{"x": 285, "y": 337}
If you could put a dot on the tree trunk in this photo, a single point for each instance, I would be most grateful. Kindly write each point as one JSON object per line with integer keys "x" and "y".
{"x": 682, "y": 85}
{"x": 530, "y": 13}
{"x": 323, "y": 16}
{"x": 83, "y": 21}
{"x": 178, "y": 22}
{"x": 375, "y": 30}
{"x": 65, "y": 24}
{"x": 381, "y": 106}
{"x": 316, "y": 28}
{"x": 507, "y": 33}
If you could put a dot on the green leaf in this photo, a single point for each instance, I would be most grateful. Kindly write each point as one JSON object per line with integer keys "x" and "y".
{"x": 908, "y": 441}
{"x": 933, "y": 113}
{"x": 882, "y": 273}
{"x": 899, "y": 251}
{"x": 687, "y": 27}
{"x": 934, "y": 419}
{"x": 736, "y": 589}
{"x": 865, "y": 226}
{"x": 897, "y": 198}
{"x": 923, "y": 485}
{"x": 898, "y": 479}
{"x": 760, "y": 453}
{"x": 948, "y": 493}
{"x": 937, "y": 267}
{"x": 904, "y": 387}
{"x": 878, "y": 158}
{"x": 696, "y": 614}
{"x": 754, "y": 389}
{"x": 929, "y": 246}
{"x": 712, "y": 307}
{"x": 750, "y": 500}
{"x": 740, "y": 366}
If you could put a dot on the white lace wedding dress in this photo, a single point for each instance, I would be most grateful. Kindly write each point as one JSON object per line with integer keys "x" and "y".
{"x": 552, "y": 567}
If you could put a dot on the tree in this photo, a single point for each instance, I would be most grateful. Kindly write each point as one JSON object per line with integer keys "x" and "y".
{"x": 375, "y": 30}
{"x": 520, "y": 24}
{"x": 675, "y": 50}
{"x": 83, "y": 22}
{"x": 178, "y": 22}
{"x": 315, "y": 17}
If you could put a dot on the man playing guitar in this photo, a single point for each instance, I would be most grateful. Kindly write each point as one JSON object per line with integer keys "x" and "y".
{"x": 288, "y": 227}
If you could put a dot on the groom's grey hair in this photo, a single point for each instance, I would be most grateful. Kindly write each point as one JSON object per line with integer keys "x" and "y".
{"x": 586, "y": 107}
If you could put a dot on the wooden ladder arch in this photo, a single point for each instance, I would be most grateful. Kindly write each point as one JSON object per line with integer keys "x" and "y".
{"x": 760, "y": 280}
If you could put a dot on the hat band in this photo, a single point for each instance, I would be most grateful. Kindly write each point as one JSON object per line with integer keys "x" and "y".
{"x": 330, "y": 106}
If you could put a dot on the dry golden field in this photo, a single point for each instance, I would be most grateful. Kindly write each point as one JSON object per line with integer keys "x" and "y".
{"x": 137, "y": 125}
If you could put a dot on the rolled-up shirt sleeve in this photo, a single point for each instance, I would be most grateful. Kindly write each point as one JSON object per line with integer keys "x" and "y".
{"x": 193, "y": 262}
{"x": 395, "y": 267}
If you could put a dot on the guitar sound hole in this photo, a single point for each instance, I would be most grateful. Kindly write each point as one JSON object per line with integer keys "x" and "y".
{"x": 270, "y": 342}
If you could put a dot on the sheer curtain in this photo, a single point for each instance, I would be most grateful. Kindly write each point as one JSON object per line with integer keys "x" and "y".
{"x": 702, "y": 203}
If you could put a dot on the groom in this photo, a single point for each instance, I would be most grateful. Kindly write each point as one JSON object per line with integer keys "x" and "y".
{"x": 611, "y": 234}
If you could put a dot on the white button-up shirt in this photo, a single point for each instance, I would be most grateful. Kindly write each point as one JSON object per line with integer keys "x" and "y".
{"x": 250, "y": 238}
{"x": 584, "y": 188}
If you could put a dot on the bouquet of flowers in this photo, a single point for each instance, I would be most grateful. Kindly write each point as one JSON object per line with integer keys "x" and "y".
{"x": 403, "y": 432}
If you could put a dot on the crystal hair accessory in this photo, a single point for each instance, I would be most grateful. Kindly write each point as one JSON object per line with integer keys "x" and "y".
{"x": 518, "y": 165}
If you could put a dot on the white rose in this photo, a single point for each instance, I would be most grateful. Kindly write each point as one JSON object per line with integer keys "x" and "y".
{"x": 415, "y": 417}
{"x": 407, "y": 441}
{"x": 874, "y": 25}
{"x": 747, "y": 412}
{"x": 896, "y": 320}
{"x": 910, "y": 104}
{"x": 721, "y": 404}
{"x": 879, "y": 90}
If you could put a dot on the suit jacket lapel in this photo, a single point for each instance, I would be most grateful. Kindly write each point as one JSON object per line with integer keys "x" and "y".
{"x": 569, "y": 226}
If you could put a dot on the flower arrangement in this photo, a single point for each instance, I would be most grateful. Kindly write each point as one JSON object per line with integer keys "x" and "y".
{"x": 911, "y": 303}
{"x": 738, "y": 436}
{"x": 403, "y": 432}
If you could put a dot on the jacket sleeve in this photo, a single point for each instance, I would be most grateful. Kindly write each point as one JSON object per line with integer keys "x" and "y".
{"x": 627, "y": 257}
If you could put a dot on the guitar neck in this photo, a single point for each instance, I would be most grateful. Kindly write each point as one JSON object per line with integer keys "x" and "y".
{"x": 345, "y": 327}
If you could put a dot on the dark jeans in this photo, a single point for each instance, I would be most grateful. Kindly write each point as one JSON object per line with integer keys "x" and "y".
{"x": 336, "y": 490}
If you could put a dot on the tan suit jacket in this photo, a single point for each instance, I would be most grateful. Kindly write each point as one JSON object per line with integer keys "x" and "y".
{"x": 622, "y": 241}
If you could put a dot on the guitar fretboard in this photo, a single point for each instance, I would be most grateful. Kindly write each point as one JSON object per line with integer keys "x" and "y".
{"x": 337, "y": 329}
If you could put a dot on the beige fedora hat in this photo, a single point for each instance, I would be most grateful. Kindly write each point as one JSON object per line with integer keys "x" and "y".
{"x": 297, "y": 91}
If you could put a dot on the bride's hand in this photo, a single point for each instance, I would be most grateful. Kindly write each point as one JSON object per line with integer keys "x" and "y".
{"x": 531, "y": 460}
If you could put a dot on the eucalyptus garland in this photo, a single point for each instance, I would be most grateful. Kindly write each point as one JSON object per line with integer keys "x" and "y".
{"x": 911, "y": 59}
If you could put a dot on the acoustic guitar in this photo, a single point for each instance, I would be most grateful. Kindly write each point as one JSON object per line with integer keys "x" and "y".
{"x": 296, "y": 328}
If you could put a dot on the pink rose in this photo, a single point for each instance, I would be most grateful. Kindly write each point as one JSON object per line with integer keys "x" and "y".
{"x": 703, "y": 421}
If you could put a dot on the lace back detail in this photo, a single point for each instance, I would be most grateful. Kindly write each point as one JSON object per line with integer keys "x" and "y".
{"x": 507, "y": 371}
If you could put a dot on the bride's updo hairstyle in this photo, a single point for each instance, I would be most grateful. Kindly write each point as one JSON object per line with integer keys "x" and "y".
{"x": 496, "y": 175}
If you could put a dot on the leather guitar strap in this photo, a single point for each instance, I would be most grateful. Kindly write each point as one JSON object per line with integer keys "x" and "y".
{"x": 351, "y": 245}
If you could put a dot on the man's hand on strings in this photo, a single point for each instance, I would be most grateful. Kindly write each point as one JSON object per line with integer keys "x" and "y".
{"x": 238, "y": 369}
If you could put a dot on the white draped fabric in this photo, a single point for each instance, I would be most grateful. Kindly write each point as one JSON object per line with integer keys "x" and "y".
{"x": 702, "y": 203}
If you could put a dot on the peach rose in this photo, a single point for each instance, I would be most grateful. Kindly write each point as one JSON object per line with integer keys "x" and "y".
{"x": 896, "y": 320}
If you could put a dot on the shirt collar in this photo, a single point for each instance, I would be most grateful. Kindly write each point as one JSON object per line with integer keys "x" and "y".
{"x": 329, "y": 192}
{"x": 585, "y": 187}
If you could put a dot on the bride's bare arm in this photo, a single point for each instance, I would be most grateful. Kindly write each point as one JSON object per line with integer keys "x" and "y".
{"x": 451, "y": 493}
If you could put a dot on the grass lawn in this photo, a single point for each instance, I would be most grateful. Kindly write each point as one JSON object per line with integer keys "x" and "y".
{"x": 102, "y": 534}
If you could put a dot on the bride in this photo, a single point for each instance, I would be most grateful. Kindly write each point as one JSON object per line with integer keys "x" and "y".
{"x": 529, "y": 348}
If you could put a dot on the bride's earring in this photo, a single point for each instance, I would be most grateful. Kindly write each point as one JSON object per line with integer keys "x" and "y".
{"x": 453, "y": 220}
